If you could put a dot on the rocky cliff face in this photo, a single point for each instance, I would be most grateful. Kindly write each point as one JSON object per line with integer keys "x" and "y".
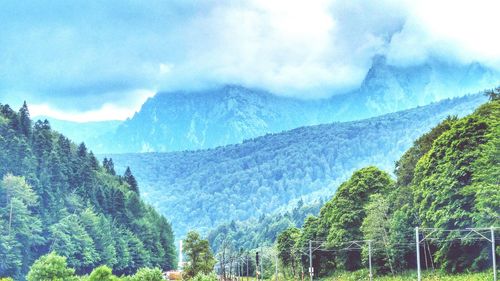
{"x": 174, "y": 121}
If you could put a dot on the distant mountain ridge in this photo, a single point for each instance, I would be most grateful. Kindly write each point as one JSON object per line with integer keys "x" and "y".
{"x": 229, "y": 114}
{"x": 202, "y": 189}
{"x": 82, "y": 132}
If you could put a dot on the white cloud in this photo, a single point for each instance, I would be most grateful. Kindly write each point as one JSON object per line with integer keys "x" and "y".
{"x": 310, "y": 48}
{"x": 463, "y": 31}
{"x": 78, "y": 60}
{"x": 107, "y": 111}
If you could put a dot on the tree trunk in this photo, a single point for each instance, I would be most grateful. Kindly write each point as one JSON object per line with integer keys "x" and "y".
{"x": 386, "y": 244}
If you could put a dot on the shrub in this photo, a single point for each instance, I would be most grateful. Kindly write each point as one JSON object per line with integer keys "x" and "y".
{"x": 205, "y": 277}
{"x": 148, "y": 274}
{"x": 51, "y": 267}
{"x": 102, "y": 273}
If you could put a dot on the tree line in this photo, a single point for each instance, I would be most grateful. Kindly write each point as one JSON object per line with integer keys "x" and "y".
{"x": 447, "y": 180}
{"x": 259, "y": 176}
{"x": 55, "y": 196}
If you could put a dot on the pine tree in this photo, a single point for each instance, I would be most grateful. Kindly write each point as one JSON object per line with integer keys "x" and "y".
{"x": 82, "y": 151}
{"x": 130, "y": 179}
{"x": 66, "y": 180}
{"x": 109, "y": 166}
{"x": 25, "y": 121}
{"x": 69, "y": 238}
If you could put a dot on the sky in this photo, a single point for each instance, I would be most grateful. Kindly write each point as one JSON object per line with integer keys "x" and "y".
{"x": 100, "y": 60}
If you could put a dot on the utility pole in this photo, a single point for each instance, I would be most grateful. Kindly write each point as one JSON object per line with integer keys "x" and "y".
{"x": 311, "y": 271}
{"x": 262, "y": 266}
{"x": 247, "y": 266}
{"x": 493, "y": 254}
{"x": 370, "y": 258}
{"x": 257, "y": 266}
{"x": 417, "y": 241}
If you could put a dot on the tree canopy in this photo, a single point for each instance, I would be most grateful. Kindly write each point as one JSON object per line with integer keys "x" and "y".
{"x": 56, "y": 197}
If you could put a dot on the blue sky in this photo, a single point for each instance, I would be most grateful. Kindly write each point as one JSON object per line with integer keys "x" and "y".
{"x": 97, "y": 60}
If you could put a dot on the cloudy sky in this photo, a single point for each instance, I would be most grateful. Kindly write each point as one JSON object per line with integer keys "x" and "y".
{"x": 96, "y": 60}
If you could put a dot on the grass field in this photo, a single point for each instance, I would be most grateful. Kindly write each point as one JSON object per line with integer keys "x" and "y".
{"x": 427, "y": 276}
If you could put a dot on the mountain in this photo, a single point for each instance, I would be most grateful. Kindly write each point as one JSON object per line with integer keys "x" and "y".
{"x": 202, "y": 189}
{"x": 176, "y": 121}
{"x": 56, "y": 197}
{"x": 190, "y": 120}
{"x": 447, "y": 181}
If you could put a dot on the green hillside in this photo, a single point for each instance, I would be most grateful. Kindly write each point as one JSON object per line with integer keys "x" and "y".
{"x": 55, "y": 196}
{"x": 203, "y": 189}
{"x": 449, "y": 179}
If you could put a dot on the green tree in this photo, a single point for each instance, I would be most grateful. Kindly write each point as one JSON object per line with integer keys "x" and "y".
{"x": 109, "y": 166}
{"x": 102, "y": 273}
{"x": 25, "y": 121}
{"x": 375, "y": 227}
{"x": 19, "y": 229}
{"x": 148, "y": 274}
{"x": 405, "y": 166}
{"x": 100, "y": 230}
{"x": 286, "y": 244}
{"x": 456, "y": 185}
{"x": 51, "y": 267}
{"x": 130, "y": 179}
{"x": 494, "y": 94}
{"x": 341, "y": 217}
{"x": 12, "y": 188}
{"x": 67, "y": 180}
{"x": 199, "y": 256}
{"x": 69, "y": 238}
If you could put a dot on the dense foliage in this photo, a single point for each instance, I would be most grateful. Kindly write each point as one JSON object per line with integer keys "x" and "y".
{"x": 202, "y": 189}
{"x": 262, "y": 231}
{"x": 55, "y": 267}
{"x": 448, "y": 180}
{"x": 55, "y": 196}
{"x": 51, "y": 267}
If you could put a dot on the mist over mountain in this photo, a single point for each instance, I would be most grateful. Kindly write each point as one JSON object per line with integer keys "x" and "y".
{"x": 190, "y": 120}
{"x": 202, "y": 189}
{"x": 82, "y": 132}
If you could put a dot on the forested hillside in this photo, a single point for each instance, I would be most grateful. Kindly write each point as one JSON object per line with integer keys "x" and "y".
{"x": 202, "y": 189}
{"x": 261, "y": 231}
{"x": 449, "y": 180}
{"x": 55, "y": 196}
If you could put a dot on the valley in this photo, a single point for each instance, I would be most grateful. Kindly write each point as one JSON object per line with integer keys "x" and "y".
{"x": 202, "y": 189}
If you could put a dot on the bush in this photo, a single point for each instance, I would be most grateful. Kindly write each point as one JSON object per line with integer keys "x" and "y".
{"x": 148, "y": 274}
{"x": 51, "y": 267}
{"x": 205, "y": 277}
{"x": 102, "y": 273}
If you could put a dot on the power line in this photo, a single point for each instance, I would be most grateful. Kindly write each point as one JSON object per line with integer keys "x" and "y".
{"x": 433, "y": 235}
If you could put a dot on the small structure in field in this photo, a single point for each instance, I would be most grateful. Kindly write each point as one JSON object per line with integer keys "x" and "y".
{"x": 173, "y": 275}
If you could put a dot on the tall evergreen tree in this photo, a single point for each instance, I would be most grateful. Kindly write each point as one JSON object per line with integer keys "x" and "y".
{"x": 109, "y": 166}
{"x": 25, "y": 121}
{"x": 130, "y": 179}
{"x": 67, "y": 179}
